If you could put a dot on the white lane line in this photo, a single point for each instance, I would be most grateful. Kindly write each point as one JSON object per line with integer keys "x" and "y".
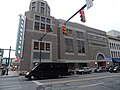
{"x": 37, "y": 82}
{"x": 12, "y": 87}
{"x": 9, "y": 86}
{"x": 91, "y": 85}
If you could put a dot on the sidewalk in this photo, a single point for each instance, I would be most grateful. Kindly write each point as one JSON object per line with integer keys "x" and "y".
{"x": 11, "y": 74}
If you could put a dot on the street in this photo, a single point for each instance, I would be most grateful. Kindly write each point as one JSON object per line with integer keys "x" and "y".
{"x": 94, "y": 81}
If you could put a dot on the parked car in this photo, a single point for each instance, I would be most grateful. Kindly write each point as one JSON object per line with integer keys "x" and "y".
{"x": 100, "y": 69}
{"x": 48, "y": 70}
{"x": 84, "y": 70}
{"x": 71, "y": 72}
{"x": 115, "y": 68}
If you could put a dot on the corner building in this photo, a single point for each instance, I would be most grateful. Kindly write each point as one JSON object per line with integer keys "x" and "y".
{"x": 82, "y": 46}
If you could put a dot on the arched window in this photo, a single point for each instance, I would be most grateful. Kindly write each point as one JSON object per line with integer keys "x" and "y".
{"x": 100, "y": 57}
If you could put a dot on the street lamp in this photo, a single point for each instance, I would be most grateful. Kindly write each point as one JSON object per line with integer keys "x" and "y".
{"x": 49, "y": 30}
{"x": 41, "y": 42}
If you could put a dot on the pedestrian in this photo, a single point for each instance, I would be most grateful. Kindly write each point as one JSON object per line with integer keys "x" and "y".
{"x": 3, "y": 70}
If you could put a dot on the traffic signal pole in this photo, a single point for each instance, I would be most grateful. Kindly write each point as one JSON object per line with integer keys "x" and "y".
{"x": 75, "y": 13}
{"x": 8, "y": 64}
{"x": 8, "y": 59}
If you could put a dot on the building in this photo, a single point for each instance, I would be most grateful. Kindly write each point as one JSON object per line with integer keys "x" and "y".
{"x": 114, "y": 45}
{"x": 82, "y": 46}
{"x": 114, "y": 33}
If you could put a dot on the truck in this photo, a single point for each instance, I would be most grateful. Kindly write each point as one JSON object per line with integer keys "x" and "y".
{"x": 48, "y": 70}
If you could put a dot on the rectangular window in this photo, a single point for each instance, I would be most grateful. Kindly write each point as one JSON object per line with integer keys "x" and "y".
{"x": 48, "y": 46}
{"x": 36, "y": 45}
{"x": 33, "y": 4}
{"x": 48, "y": 20}
{"x": 81, "y": 47}
{"x": 43, "y": 19}
{"x": 69, "y": 45}
{"x": 42, "y": 4}
{"x": 42, "y": 46}
{"x": 37, "y": 17}
{"x": 42, "y": 10}
{"x": 42, "y": 26}
{"x": 33, "y": 8}
{"x": 36, "y": 26}
{"x": 80, "y": 35}
{"x": 69, "y": 32}
{"x": 48, "y": 28}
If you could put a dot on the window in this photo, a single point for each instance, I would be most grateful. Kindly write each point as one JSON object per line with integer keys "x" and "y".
{"x": 69, "y": 45}
{"x": 33, "y": 8}
{"x": 69, "y": 32}
{"x": 48, "y": 10}
{"x": 37, "y": 17}
{"x": 81, "y": 47}
{"x": 79, "y": 34}
{"x": 48, "y": 46}
{"x": 42, "y": 26}
{"x": 33, "y": 4}
{"x": 48, "y": 20}
{"x": 42, "y": 10}
{"x": 36, "y": 45}
{"x": 36, "y": 26}
{"x": 42, "y": 46}
{"x": 48, "y": 28}
{"x": 43, "y": 19}
{"x": 42, "y": 4}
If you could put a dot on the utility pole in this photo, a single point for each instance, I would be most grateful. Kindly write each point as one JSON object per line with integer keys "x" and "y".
{"x": 8, "y": 64}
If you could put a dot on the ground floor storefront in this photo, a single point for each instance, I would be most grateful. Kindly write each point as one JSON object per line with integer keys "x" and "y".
{"x": 91, "y": 64}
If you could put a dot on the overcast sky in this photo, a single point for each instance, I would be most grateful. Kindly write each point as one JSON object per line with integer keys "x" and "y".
{"x": 103, "y": 15}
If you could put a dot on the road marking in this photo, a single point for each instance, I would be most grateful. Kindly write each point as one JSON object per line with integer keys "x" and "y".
{"x": 37, "y": 82}
{"x": 11, "y": 87}
{"x": 91, "y": 85}
{"x": 14, "y": 88}
{"x": 83, "y": 79}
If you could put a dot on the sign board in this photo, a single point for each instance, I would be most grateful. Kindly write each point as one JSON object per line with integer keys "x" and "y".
{"x": 20, "y": 37}
{"x": 108, "y": 59}
{"x": 89, "y": 3}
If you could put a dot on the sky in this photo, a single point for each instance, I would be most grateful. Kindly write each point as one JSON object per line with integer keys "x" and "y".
{"x": 103, "y": 15}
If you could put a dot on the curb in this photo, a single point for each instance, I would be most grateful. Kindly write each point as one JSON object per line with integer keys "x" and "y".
{"x": 7, "y": 76}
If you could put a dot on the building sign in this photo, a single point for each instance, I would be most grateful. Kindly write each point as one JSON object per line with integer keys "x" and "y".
{"x": 108, "y": 59}
{"x": 20, "y": 36}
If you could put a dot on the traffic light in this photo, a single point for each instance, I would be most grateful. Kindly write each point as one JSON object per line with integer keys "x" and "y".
{"x": 64, "y": 29}
{"x": 82, "y": 16}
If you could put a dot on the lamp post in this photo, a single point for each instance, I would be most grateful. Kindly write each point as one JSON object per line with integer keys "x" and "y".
{"x": 41, "y": 44}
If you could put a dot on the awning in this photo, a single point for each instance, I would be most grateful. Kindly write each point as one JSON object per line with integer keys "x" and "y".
{"x": 116, "y": 60}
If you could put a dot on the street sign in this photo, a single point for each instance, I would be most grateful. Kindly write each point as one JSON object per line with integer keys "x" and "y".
{"x": 89, "y": 3}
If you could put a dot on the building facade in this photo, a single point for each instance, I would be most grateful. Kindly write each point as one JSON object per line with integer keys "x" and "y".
{"x": 82, "y": 46}
{"x": 114, "y": 45}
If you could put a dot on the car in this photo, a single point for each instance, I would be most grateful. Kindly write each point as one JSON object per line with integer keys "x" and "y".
{"x": 100, "y": 69}
{"x": 84, "y": 70}
{"x": 48, "y": 70}
{"x": 115, "y": 68}
{"x": 71, "y": 72}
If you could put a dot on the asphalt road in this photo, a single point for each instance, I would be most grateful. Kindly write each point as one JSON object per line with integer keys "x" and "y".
{"x": 94, "y": 81}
